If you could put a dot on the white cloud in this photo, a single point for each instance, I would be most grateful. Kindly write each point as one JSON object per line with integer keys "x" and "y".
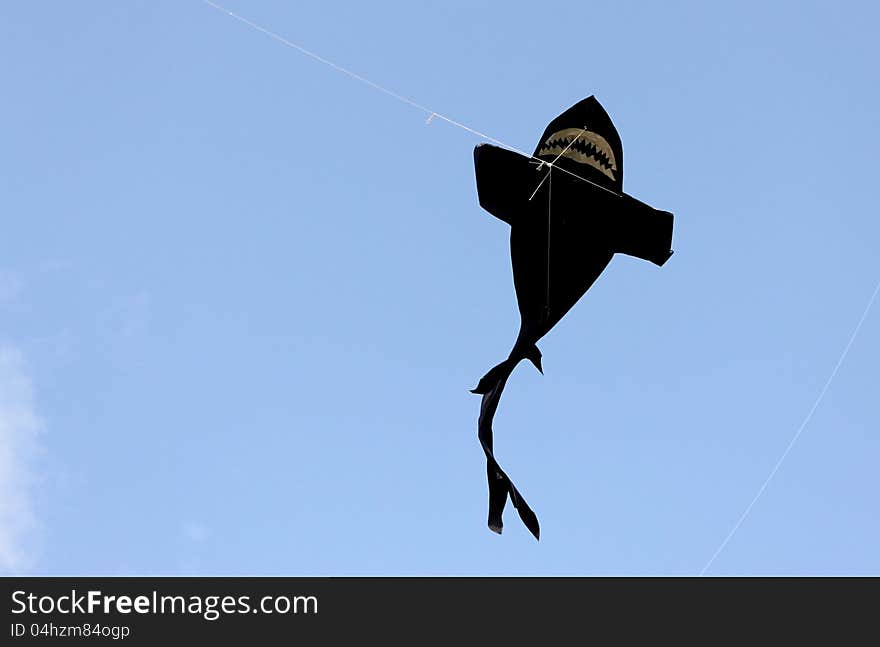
{"x": 20, "y": 428}
{"x": 10, "y": 286}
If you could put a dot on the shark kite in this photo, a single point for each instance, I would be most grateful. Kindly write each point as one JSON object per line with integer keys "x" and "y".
{"x": 568, "y": 216}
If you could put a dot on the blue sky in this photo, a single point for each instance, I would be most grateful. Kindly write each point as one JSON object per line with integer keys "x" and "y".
{"x": 243, "y": 296}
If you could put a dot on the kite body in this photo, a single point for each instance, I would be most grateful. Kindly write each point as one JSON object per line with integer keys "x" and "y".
{"x": 568, "y": 216}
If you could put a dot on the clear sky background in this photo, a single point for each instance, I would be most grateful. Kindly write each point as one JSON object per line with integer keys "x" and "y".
{"x": 243, "y": 296}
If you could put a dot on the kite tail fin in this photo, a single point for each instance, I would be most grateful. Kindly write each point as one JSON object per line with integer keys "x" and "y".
{"x": 495, "y": 375}
{"x": 500, "y": 486}
{"x": 503, "y": 370}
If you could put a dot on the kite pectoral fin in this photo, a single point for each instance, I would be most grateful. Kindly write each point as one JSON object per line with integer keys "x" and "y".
{"x": 500, "y": 485}
{"x": 642, "y": 231}
{"x": 500, "y": 174}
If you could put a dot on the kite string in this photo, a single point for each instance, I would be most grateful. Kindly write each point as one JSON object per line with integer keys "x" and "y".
{"x": 432, "y": 114}
{"x": 549, "y": 216}
{"x": 798, "y": 433}
{"x": 354, "y": 75}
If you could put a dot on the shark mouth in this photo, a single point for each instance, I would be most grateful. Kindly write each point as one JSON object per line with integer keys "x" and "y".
{"x": 582, "y": 146}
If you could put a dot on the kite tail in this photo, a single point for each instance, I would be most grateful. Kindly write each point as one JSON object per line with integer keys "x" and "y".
{"x": 500, "y": 485}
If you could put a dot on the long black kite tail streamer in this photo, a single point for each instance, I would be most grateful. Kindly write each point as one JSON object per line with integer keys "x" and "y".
{"x": 500, "y": 485}
{"x": 568, "y": 216}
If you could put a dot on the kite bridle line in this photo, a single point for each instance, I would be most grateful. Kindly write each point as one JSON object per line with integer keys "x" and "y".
{"x": 549, "y": 216}
{"x": 549, "y": 165}
{"x": 432, "y": 114}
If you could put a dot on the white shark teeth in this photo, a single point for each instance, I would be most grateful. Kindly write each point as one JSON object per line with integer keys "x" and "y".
{"x": 582, "y": 146}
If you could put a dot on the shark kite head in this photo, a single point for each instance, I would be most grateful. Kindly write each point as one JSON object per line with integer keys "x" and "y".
{"x": 584, "y": 141}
